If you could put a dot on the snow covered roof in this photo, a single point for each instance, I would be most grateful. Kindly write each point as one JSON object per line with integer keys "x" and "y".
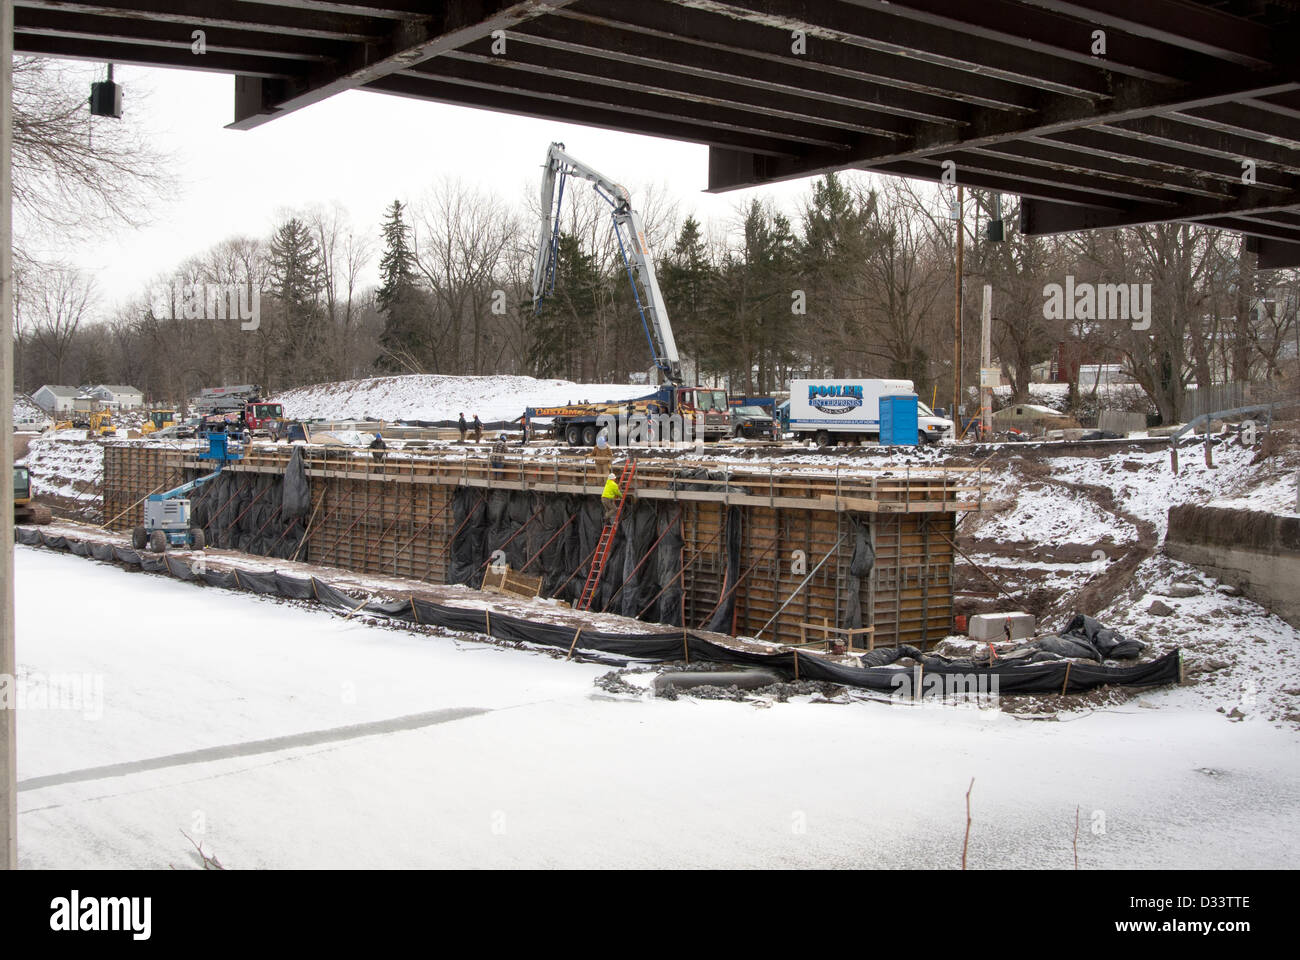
{"x": 1027, "y": 410}
{"x": 117, "y": 388}
{"x": 60, "y": 391}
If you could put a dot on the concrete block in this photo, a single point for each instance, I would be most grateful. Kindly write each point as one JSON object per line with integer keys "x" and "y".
{"x": 992, "y": 626}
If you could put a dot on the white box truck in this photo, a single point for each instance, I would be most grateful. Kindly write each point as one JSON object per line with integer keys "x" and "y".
{"x": 848, "y": 411}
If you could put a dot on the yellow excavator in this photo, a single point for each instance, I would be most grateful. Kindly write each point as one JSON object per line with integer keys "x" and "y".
{"x": 101, "y": 424}
{"x": 24, "y": 510}
{"x": 98, "y": 423}
{"x": 158, "y": 420}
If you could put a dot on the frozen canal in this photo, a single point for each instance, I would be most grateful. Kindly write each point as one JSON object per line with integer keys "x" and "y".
{"x": 284, "y": 737}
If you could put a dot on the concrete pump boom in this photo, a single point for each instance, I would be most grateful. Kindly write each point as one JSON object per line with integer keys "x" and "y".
{"x": 630, "y": 232}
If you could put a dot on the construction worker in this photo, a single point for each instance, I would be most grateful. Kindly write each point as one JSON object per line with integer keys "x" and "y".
{"x": 462, "y": 427}
{"x": 478, "y": 429}
{"x": 610, "y": 498}
{"x": 377, "y": 448}
{"x": 604, "y": 453}
{"x": 498, "y": 457}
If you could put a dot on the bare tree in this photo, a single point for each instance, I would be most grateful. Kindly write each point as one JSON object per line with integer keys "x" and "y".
{"x": 58, "y": 300}
{"x": 902, "y": 280}
{"x": 459, "y": 238}
{"x": 72, "y": 172}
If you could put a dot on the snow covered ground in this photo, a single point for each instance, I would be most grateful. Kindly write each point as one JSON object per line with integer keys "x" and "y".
{"x": 1049, "y": 514}
{"x": 1144, "y": 482}
{"x": 405, "y": 749}
{"x": 26, "y": 410}
{"x": 65, "y": 464}
{"x": 435, "y": 397}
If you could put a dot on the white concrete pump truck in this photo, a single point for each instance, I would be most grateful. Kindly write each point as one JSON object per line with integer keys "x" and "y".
{"x": 673, "y": 411}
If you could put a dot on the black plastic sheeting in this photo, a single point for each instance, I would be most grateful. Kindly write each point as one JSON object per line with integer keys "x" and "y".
{"x": 1085, "y": 637}
{"x": 565, "y": 528}
{"x": 469, "y": 423}
{"x": 723, "y": 618}
{"x": 1048, "y": 677}
{"x": 246, "y": 512}
{"x": 860, "y": 565}
{"x": 297, "y": 490}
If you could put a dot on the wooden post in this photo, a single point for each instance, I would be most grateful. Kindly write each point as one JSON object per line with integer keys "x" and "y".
{"x": 354, "y": 609}
{"x": 986, "y": 391}
{"x": 573, "y": 645}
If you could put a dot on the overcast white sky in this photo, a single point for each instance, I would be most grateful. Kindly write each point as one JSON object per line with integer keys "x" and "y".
{"x": 361, "y": 149}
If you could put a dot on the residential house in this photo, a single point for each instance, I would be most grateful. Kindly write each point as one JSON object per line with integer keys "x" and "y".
{"x": 53, "y": 398}
{"x": 117, "y": 396}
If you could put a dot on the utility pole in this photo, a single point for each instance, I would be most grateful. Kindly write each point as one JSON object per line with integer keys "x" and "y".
{"x": 956, "y": 320}
{"x": 986, "y": 361}
{"x": 8, "y": 660}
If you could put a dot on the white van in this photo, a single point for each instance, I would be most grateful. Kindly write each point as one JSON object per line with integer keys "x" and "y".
{"x": 831, "y": 411}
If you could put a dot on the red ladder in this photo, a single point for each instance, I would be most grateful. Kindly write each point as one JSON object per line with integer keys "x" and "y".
{"x": 606, "y": 539}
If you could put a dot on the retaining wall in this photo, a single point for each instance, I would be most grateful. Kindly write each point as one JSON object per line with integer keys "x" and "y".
{"x": 698, "y": 548}
{"x": 1257, "y": 552}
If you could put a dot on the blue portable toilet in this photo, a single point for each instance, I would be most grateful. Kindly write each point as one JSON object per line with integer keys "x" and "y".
{"x": 782, "y": 416}
{"x": 898, "y": 420}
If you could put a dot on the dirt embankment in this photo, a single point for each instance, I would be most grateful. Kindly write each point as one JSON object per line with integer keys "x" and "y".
{"x": 1099, "y": 593}
{"x": 1051, "y": 579}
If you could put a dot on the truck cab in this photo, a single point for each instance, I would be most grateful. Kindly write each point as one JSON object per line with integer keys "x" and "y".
{"x": 931, "y": 427}
{"x": 259, "y": 414}
{"x": 711, "y": 404}
{"x": 578, "y": 424}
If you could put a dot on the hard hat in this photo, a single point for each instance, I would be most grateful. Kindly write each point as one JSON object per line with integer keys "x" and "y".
{"x": 501, "y": 436}
{"x": 379, "y": 436}
{"x": 612, "y": 477}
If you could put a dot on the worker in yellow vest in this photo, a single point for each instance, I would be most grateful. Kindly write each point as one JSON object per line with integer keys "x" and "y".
{"x": 610, "y": 498}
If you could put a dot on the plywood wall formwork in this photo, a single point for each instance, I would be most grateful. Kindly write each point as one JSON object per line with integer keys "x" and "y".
{"x": 130, "y": 475}
{"x": 400, "y": 521}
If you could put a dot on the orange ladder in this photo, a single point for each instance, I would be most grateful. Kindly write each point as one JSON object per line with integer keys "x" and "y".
{"x": 606, "y": 538}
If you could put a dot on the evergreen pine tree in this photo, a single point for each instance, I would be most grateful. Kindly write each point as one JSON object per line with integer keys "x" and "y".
{"x": 685, "y": 278}
{"x": 565, "y": 323}
{"x": 294, "y": 280}
{"x": 403, "y": 341}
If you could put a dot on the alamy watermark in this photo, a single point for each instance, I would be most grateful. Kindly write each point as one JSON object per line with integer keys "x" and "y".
{"x": 54, "y": 691}
{"x": 208, "y": 301}
{"x": 1098, "y": 301}
{"x": 915, "y": 685}
{"x": 650, "y": 429}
